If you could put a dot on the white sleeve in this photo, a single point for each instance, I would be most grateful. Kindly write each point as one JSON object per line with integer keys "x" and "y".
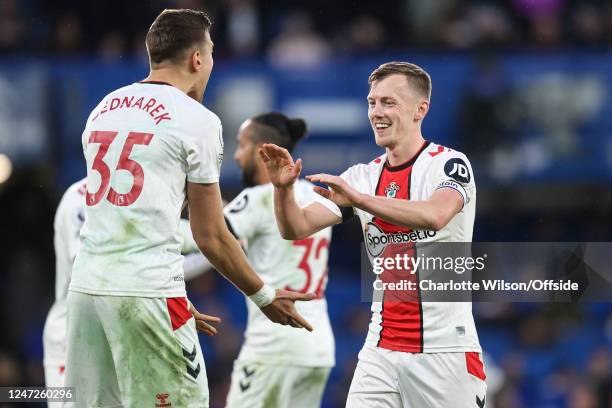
{"x": 243, "y": 214}
{"x": 189, "y": 245}
{"x": 204, "y": 153}
{"x": 344, "y": 212}
{"x": 454, "y": 172}
{"x": 195, "y": 264}
{"x": 67, "y": 225}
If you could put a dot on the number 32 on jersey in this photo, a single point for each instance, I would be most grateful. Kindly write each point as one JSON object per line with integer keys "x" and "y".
{"x": 105, "y": 138}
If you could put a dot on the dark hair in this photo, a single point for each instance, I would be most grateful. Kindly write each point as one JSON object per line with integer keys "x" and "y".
{"x": 417, "y": 76}
{"x": 284, "y": 132}
{"x": 174, "y": 32}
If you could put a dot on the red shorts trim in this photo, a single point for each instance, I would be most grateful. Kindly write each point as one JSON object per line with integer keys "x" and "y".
{"x": 177, "y": 309}
{"x": 474, "y": 365}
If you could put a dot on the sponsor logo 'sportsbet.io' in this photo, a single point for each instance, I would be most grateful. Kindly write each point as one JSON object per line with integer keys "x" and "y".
{"x": 376, "y": 240}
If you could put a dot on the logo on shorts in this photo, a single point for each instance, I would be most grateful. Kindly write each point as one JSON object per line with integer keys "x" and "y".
{"x": 162, "y": 400}
{"x": 191, "y": 356}
{"x": 391, "y": 190}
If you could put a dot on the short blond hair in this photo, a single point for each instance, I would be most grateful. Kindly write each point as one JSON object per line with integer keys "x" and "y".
{"x": 418, "y": 78}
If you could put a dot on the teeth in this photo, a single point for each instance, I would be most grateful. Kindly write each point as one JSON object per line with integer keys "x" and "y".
{"x": 382, "y": 125}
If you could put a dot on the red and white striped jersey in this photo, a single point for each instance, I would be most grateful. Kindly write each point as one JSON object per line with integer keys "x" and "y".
{"x": 416, "y": 326}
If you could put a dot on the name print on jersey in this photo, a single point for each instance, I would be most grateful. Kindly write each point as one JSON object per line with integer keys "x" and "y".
{"x": 127, "y": 102}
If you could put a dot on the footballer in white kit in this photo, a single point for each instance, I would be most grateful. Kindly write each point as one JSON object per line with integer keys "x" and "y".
{"x": 278, "y": 366}
{"x": 69, "y": 219}
{"x": 417, "y": 353}
{"x": 149, "y": 146}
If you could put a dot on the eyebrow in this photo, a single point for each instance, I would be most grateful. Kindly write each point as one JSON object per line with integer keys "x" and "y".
{"x": 383, "y": 99}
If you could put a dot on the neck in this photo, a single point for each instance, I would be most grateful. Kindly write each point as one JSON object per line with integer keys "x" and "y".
{"x": 173, "y": 77}
{"x": 405, "y": 150}
{"x": 261, "y": 175}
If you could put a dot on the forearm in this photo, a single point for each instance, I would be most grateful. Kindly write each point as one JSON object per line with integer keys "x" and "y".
{"x": 290, "y": 217}
{"x": 411, "y": 214}
{"x": 225, "y": 254}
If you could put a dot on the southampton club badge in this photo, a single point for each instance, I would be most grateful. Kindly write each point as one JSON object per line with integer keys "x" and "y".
{"x": 392, "y": 190}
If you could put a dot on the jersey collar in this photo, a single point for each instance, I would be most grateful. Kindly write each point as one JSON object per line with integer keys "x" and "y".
{"x": 409, "y": 163}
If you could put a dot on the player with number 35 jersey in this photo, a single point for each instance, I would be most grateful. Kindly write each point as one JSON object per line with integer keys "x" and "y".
{"x": 149, "y": 146}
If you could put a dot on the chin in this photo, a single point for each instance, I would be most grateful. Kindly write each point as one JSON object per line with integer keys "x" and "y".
{"x": 381, "y": 141}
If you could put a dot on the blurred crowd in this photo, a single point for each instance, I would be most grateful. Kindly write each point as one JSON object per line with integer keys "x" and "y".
{"x": 298, "y": 33}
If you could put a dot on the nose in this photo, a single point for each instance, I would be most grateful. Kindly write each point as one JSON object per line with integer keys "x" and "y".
{"x": 375, "y": 110}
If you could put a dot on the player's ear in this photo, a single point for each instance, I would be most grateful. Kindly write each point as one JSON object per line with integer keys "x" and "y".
{"x": 196, "y": 60}
{"x": 422, "y": 110}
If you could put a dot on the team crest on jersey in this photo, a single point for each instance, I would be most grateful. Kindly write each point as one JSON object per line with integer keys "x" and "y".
{"x": 391, "y": 190}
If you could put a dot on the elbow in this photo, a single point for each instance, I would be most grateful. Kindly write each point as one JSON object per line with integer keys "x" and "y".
{"x": 290, "y": 235}
{"x": 437, "y": 221}
{"x": 207, "y": 243}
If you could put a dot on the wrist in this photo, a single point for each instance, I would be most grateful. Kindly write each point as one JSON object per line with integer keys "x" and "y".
{"x": 361, "y": 201}
{"x": 264, "y": 296}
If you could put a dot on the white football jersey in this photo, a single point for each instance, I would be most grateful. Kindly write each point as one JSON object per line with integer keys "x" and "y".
{"x": 141, "y": 144}
{"x": 69, "y": 218}
{"x": 299, "y": 265}
{"x": 417, "y": 326}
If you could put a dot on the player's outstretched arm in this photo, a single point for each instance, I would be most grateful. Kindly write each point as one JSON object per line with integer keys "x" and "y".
{"x": 432, "y": 214}
{"x": 225, "y": 254}
{"x": 294, "y": 222}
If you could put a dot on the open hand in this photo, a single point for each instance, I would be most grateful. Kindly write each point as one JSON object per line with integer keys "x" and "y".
{"x": 279, "y": 164}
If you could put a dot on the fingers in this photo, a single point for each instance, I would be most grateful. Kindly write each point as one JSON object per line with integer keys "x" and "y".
{"x": 206, "y": 328}
{"x": 323, "y": 192}
{"x": 209, "y": 318}
{"x": 297, "y": 169}
{"x": 301, "y": 322}
{"x": 325, "y": 179}
{"x": 302, "y": 297}
{"x": 264, "y": 155}
{"x": 276, "y": 152}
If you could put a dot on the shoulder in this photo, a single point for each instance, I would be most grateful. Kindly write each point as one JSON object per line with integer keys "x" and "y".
{"x": 76, "y": 192}
{"x": 453, "y": 163}
{"x": 73, "y": 200}
{"x": 251, "y": 197}
{"x": 365, "y": 169}
{"x": 439, "y": 153}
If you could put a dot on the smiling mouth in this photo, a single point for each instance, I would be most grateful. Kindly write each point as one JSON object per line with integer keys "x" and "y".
{"x": 381, "y": 126}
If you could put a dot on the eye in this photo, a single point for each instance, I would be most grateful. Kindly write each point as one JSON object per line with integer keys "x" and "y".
{"x": 371, "y": 103}
{"x": 389, "y": 103}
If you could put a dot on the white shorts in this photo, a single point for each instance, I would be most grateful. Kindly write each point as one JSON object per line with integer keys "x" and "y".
{"x": 134, "y": 352}
{"x": 256, "y": 385}
{"x": 385, "y": 378}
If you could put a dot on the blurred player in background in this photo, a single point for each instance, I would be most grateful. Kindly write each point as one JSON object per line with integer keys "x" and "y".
{"x": 417, "y": 354}
{"x": 278, "y": 366}
{"x": 69, "y": 219}
{"x": 132, "y": 340}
